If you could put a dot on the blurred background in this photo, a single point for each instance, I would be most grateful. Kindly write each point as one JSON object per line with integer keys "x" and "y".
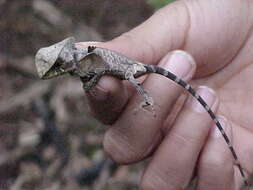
{"x": 47, "y": 139}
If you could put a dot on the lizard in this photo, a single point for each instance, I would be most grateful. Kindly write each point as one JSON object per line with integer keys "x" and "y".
{"x": 91, "y": 63}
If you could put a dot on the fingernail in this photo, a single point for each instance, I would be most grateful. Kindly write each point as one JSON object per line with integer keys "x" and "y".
{"x": 215, "y": 132}
{"x": 207, "y": 94}
{"x": 181, "y": 64}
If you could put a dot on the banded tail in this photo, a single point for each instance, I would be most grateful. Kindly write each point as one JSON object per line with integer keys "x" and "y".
{"x": 171, "y": 76}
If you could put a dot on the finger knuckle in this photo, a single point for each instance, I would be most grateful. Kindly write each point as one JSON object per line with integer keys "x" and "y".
{"x": 118, "y": 148}
{"x": 216, "y": 163}
{"x": 154, "y": 180}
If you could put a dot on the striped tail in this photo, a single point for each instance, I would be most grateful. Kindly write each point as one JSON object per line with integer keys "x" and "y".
{"x": 171, "y": 76}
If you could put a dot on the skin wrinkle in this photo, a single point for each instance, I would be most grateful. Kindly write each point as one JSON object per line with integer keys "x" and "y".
{"x": 130, "y": 153}
{"x": 188, "y": 26}
{"x": 156, "y": 142}
{"x": 129, "y": 36}
{"x": 163, "y": 26}
{"x": 243, "y": 44}
{"x": 240, "y": 150}
{"x": 235, "y": 128}
{"x": 227, "y": 111}
{"x": 238, "y": 182}
{"x": 168, "y": 174}
{"x": 175, "y": 110}
{"x": 157, "y": 179}
{"x": 153, "y": 57}
{"x": 190, "y": 9}
{"x": 183, "y": 139}
{"x": 149, "y": 51}
{"x": 152, "y": 51}
{"x": 227, "y": 90}
{"x": 150, "y": 183}
{"x": 211, "y": 181}
{"x": 119, "y": 139}
{"x": 185, "y": 19}
{"x": 109, "y": 141}
{"x": 215, "y": 162}
{"x": 227, "y": 60}
{"x": 210, "y": 163}
{"x": 219, "y": 80}
{"x": 224, "y": 101}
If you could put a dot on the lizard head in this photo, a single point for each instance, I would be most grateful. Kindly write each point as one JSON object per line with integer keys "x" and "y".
{"x": 55, "y": 60}
{"x": 91, "y": 64}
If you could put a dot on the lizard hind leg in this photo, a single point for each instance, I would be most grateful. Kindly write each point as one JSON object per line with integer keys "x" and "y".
{"x": 147, "y": 99}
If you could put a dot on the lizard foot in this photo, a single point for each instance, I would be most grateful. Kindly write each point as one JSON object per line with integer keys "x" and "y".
{"x": 147, "y": 106}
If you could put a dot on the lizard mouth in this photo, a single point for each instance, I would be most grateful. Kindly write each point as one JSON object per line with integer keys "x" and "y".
{"x": 57, "y": 69}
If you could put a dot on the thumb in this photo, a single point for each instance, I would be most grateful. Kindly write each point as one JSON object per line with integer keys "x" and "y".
{"x": 153, "y": 39}
{"x": 202, "y": 28}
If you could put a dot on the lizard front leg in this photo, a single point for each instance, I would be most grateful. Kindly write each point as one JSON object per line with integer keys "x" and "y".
{"x": 147, "y": 99}
{"x": 88, "y": 85}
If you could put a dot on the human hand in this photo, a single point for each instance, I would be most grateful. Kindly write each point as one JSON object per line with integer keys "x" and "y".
{"x": 218, "y": 34}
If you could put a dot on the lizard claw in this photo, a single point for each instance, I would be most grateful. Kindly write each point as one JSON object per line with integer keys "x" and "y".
{"x": 146, "y": 106}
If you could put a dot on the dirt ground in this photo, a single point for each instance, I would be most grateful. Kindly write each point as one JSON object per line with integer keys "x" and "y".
{"x": 47, "y": 138}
